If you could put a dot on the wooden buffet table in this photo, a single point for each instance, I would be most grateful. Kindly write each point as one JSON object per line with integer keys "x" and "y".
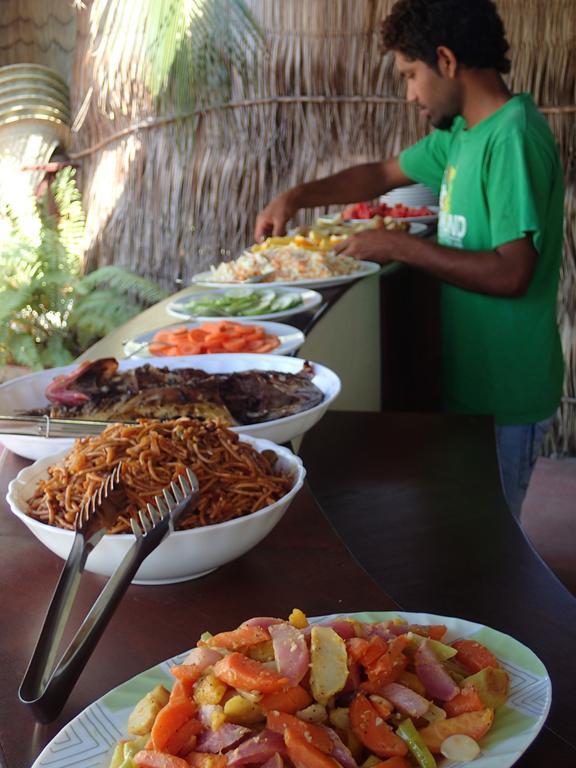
{"x": 415, "y": 498}
{"x": 409, "y": 514}
{"x": 302, "y": 563}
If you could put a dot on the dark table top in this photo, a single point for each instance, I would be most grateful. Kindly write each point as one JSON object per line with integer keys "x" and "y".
{"x": 302, "y": 563}
{"x": 417, "y": 499}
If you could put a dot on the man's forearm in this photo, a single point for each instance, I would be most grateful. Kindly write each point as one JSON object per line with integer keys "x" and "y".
{"x": 497, "y": 272}
{"x": 362, "y": 182}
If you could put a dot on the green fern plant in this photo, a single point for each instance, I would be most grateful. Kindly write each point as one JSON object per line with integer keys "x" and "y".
{"x": 50, "y": 311}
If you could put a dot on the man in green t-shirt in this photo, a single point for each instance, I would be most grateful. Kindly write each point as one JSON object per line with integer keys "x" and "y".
{"x": 495, "y": 164}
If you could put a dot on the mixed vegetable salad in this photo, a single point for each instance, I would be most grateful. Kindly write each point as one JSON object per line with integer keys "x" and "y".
{"x": 242, "y": 302}
{"x": 339, "y": 694}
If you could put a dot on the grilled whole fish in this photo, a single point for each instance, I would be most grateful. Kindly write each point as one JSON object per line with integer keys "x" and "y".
{"x": 100, "y": 391}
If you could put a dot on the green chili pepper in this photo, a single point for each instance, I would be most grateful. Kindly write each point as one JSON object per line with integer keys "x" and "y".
{"x": 415, "y": 743}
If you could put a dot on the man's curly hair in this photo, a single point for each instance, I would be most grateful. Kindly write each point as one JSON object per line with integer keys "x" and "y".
{"x": 471, "y": 29}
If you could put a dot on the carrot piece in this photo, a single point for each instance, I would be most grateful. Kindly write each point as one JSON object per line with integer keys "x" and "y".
{"x": 215, "y": 338}
{"x": 466, "y": 701}
{"x": 161, "y": 336}
{"x": 384, "y": 709}
{"x": 473, "y": 724}
{"x": 375, "y": 648}
{"x": 187, "y": 674}
{"x": 244, "y": 673}
{"x": 245, "y": 330}
{"x": 356, "y": 647}
{"x": 253, "y": 332}
{"x": 206, "y": 760}
{"x": 290, "y": 700}
{"x": 474, "y": 656}
{"x": 238, "y": 638}
{"x": 170, "y": 719}
{"x": 182, "y": 688}
{"x": 388, "y": 667}
{"x": 305, "y": 755}
{"x": 189, "y": 348}
{"x": 283, "y": 723}
{"x": 433, "y": 631}
{"x": 398, "y": 645}
{"x": 157, "y": 349}
{"x": 183, "y": 740}
{"x": 154, "y": 759}
{"x": 369, "y": 727}
{"x": 268, "y": 346}
{"x": 197, "y": 334}
{"x": 234, "y": 345}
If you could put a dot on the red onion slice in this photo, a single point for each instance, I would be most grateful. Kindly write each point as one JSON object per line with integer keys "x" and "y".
{"x": 290, "y": 651}
{"x": 432, "y": 674}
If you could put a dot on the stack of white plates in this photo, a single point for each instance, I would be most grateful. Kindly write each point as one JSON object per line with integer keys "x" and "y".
{"x": 415, "y": 196}
{"x": 34, "y": 118}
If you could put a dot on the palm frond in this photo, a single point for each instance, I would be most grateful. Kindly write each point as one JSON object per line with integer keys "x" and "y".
{"x": 184, "y": 51}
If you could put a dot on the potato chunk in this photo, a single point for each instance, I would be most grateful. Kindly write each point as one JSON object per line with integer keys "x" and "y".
{"x": 144, "y": 713}
{"x": 209, "y": 690}
{"x": 242, "y": 711}
{"x": 329, "y": 665}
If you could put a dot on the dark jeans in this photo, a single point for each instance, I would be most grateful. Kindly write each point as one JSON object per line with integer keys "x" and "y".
{"x": 518, "y": 447}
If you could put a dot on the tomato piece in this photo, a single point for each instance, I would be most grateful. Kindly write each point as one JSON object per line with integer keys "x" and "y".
{"x": 466, "y": 701}
{"x": 474, "y": 656}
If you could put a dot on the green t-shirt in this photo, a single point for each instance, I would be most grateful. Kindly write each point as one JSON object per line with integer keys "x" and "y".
{"x": 498, "y": 181}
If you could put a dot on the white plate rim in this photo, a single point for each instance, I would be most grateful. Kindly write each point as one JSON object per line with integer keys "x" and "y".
{"x": 290, "y": 338}
{"x": 365, "y": 269}
{"x": 311, "y": 300}
{"x": 96, "y": 717}
{"x": 38, "y": 470}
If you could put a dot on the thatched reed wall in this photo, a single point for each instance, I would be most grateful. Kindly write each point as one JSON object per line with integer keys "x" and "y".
{"x": 324, "y": 98}
{"x": 38, "y": 32}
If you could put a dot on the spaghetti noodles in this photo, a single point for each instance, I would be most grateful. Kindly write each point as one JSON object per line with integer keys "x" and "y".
{"x": 235, "y": 480}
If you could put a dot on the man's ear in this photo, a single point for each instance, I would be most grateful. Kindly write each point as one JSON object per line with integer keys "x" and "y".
{"x": 447, "y": 62}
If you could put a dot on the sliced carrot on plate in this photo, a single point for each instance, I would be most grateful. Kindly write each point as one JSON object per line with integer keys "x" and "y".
{"x": 154, "y": 759}
{"x": 246, "y": 674}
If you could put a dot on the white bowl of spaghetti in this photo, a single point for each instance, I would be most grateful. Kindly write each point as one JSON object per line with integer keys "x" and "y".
{"x": 238, "y": 475}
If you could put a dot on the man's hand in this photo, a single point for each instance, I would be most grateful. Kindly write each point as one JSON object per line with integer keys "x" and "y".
{"x": 272, "y": 220}
{"x": 380, "y": 245}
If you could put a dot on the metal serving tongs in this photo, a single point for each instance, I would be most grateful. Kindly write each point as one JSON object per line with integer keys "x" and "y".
{"x": 46, "y": 687}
